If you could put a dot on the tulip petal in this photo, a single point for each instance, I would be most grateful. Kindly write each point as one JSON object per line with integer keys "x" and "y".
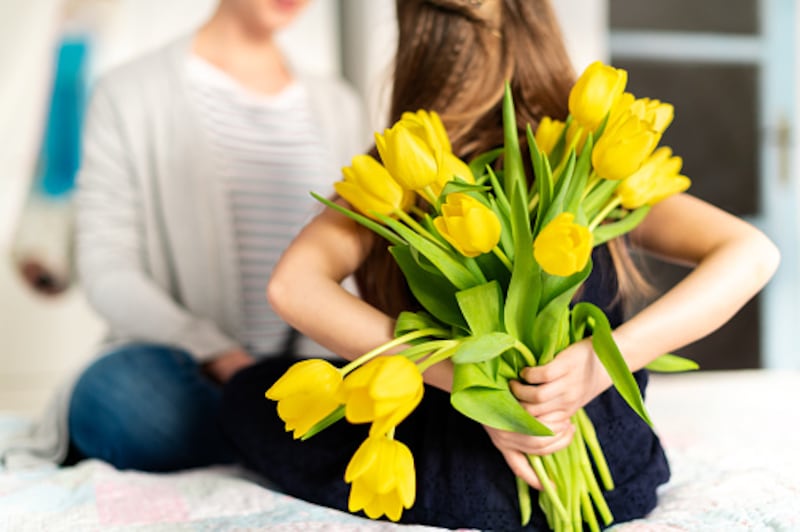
{"x": 359, "y": 407}
{"x": 302, "y": 376}
{"x": 406, "y": 475}
{"x": 361, "y": 461}
{"x": 391, "y": 506}
{"x": 360, "y": 497}
{"x": 374, "y": 508}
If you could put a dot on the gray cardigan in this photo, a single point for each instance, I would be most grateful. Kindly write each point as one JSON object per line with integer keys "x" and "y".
{"x": 151, "y": 225}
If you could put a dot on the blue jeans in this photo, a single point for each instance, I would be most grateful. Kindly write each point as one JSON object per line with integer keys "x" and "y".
{"x": 148, "y": 407}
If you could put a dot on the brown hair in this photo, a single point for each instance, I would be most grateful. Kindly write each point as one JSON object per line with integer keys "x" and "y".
{"x": 454, "y": 57}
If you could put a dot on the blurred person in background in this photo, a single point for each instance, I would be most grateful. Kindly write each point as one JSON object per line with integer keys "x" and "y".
{"x": 197, "y": 163}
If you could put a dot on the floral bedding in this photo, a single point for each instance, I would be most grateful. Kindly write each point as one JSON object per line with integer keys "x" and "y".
{"x": 732, "y": 438}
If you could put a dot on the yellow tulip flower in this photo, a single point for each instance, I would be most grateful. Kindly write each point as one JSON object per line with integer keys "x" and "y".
{"x": 368, "y": 187}
{"x": 623, "y": 146}
{"x": 411, "y": 159}
{"x": 306, "y": 394}
{"x": 563, "y": 247}
{"x": 573, "y": 131}
{"x": 657, "y": 179}
{"x": 452, "y": 168}
{"x": 658, "y": 113}
{"x": 383, "y": 391}
{"x": 470, "y": 226}
{"x": 595, "y": 92}
{"x": 548, "y": 133}
{"x": 383, "y": 478}
{"x": 429, "y": 126}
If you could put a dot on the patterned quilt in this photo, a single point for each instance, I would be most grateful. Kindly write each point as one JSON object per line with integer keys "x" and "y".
{"x": 732, "y": 438}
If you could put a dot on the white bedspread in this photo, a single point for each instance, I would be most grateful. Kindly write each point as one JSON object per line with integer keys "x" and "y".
{"x": 733, "y": 440}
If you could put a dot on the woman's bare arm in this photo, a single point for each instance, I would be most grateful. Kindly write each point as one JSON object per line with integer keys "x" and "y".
{"x": 305, "y": 291}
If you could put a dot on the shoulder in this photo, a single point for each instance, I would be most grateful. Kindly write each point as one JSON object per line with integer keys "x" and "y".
{"x": 341, "y": 112}
{"x": 146, "y": 74}
{"x": 334, "y": 92}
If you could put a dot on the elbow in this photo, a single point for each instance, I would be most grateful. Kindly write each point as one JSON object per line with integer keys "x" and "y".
{"x": 279, "y": 294}
{"x": 768, "y": 258}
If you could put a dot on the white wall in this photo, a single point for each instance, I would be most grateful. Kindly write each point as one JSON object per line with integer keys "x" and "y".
{"x": 585, "y": 27}
{"x": 43, "y": 339}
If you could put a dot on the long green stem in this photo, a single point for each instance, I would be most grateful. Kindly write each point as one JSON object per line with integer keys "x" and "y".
{"x": 524, "y": 497}
{"x": 413, "y": 335}
{"x": 413, "y": 224}
{"x": 440, "y": 355}
{"x": 418, "y": 352}
{"x": 590, "y": 437}
{"x": 503, "y": 258}
{"x": 572, "y": 145}
{"x": 430, "y": 197}
{"x": 534, "y": 202}
{"x": 547, "y": 485}
{"x": 610, "y": 206}
{"x": 530, "y": 358}
{"x": 593, "y": 180}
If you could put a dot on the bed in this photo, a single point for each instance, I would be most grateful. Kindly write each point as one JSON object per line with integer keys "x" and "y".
{"x": 733, "y": 439}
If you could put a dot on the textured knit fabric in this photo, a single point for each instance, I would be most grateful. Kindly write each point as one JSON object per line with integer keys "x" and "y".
{"x": 269, "y": 154}
{"x": 156, "y": 246}
{"x": 462, "y": 479}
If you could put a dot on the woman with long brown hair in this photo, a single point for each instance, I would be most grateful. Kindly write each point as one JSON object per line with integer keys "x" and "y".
{"x": 453, "y": 57}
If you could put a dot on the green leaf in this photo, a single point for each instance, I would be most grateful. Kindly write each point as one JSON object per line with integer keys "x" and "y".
{"x": 605, "y": 232}
{"x": 479, "y": 395}
{"x": 434, "y": 292}
{"x": 478, "y": 164}
{"x": 457, "y": 185}
{"x": 483, "y": 347}
{"x": 580, "y": 178}
{"x": 543, "y": 180}
{"x": 610, "y": 356}
{"x": 524, "y": 289}
{"x": 672, "y": 364}
{"x": 324, "y": 423}
{"x": 562, "y": 185}
{"x": 363, "y": 220}
{"x": 502, "y": 208}
{"x": 482, "y": 307}
{"x": 482, "y": 374}
{"x": 558, "y": 150}
{"x": 598, "y": 197}
{"x": 522, "y": 299}
{"x": 512, "y": 156}
{"x": 498, "y": 409}
{"x": 414, "y": 321}
{"x": 551, "y": 330}
{"x": 443, "y": 260}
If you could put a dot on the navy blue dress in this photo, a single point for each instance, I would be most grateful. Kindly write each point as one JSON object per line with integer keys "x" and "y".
{"x": 462, "y": 479}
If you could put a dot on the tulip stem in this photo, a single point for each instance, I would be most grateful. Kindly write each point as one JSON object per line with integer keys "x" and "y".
{"x": 576, "y": 137}
{"x": 413, "y": 224}
{"x": 503, "y": 258}
{"x": 430, "y": 197}
{"x": 591, "y": 183}
{"x": 533, "y": 203}
{"x": 413, "y": 335}
{"x": 610, "y": 206}
{"x": 530, "y": 359}
{"x": 440, "y": 355}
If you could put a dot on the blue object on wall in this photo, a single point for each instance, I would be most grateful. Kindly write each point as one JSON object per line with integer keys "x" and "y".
{"x": 59, "y": 158}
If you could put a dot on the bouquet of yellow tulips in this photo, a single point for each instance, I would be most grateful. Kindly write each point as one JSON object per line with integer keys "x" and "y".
{"x": 495, "y": 264}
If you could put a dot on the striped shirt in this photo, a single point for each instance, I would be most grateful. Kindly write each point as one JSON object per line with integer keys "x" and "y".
{"x": 269, "y": 156}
